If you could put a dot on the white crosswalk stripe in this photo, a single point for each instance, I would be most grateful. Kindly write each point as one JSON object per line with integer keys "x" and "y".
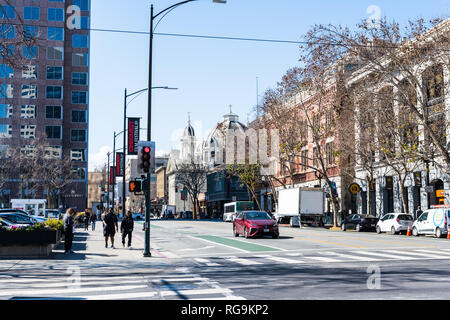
{"x": 207, "y": 262}
{"x": 243, "y": 261}
{"x": 350, "y": 256}
{"x": 420, "y": 254}
{"x": 280, "y": 259}
{"x": 323, "y": 259}
{"x": 386, "y": 255}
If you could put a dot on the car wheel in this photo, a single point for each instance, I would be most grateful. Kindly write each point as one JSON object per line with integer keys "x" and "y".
{"x": 358, "y": 228}
{"x": 343, "y": 227}
{"x": 393, "y": 231}
{"x": 275, "y": 236}
{"x": 378, "y": 229}
{"x": 236, "y": 234}
{"x": 415, "y": 232}
{"x": 438, "y": 233}
{"x": 246, "y": 233}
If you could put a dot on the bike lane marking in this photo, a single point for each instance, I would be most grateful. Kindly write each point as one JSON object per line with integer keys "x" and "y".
{"x": 236, "y": 244}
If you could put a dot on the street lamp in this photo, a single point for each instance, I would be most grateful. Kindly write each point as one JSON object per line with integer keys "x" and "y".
{"x": 149, "y": 112}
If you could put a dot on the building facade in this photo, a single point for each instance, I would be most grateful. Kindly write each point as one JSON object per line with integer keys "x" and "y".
{"x": 47, "y": 93}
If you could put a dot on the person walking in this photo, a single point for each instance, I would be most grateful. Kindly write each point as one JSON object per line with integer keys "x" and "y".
{"x": 93, "y": 221}
{"x": 418, "y": 212}
{"x": 68, "y": 222}
{"x": 87, "y": 217}
{"x": 126, "y": 227}
{"x": 110, "y": 226}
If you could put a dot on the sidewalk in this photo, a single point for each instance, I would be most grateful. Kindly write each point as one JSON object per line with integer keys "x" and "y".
{"x": 91, "y": 245}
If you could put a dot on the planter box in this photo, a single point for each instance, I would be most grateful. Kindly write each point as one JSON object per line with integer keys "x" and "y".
{"x": 29, "y": 237}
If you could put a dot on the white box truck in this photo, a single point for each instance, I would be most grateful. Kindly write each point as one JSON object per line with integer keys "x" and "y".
{"x": 301, "y": 204}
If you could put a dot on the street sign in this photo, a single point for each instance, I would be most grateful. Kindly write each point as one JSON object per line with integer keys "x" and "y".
{"x": 120, "y": 164}
{"x": 354, "y": 188}
{"x": 133, "y": 135}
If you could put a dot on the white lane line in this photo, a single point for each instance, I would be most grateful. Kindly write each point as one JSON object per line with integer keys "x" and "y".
{"x": 280, "y": 259}
{"x": 352, "y": 257}
{"x": 67, "y": 284}
{"x": 195, "y": 249}
{"x": 242, "y": 261}
{"x": 207, "y": 262}
{"x": 221, "y": 244}
{"x": 180, "y": 279}
{"x": 69, "y": 290}
{"x": 83, "y": 280}
{"x": 195, "y": 292}
{"x": 433, "y": 252}
{"x": 423, "y": 255}
{"x": 323, "y": 259}
{"x": 387, "y": 255}
{"x": 133, "y": 295}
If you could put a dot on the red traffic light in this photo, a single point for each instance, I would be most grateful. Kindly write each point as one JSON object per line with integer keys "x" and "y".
{"x": 147, "y": 149}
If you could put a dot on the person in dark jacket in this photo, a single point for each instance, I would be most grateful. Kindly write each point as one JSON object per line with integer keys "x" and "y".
{"x": 126, "y": 227}
{"x": 93, "y": 221}
{"x": 110, "y": 227}
{"x": 87, "y": 217}
{"x": 68, "y": 221}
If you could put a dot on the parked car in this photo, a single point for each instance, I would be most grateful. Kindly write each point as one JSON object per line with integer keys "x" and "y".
{"x": 136, "y": 216}
{"x": 4, "y": 223}
{"x": 18, "y": 218}
{"x": 167, "y": 215}
{"x": 432, "y": 221}
{"x": 359, "y": 223}
{"x": 187, "y": 215}
{"x": 395, "y": 223}
{"x": 19, "y": 211}
{"x": 255, "y": 223}
{"x": 53, "y": 214}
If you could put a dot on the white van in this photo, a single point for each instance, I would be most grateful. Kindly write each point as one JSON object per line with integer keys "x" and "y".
{"x": 432, "y": 221}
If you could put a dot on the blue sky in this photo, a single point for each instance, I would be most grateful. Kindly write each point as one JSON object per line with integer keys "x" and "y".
{"x": 210, "y": 74}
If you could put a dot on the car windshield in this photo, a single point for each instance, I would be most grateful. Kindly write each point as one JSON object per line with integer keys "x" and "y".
{"x": 14, "y": 218}
{"x": 258, "y": 216}
{"x": 405, "y": 217}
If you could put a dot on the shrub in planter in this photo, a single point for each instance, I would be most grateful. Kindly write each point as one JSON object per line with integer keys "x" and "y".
{"x": 36, "y": 234}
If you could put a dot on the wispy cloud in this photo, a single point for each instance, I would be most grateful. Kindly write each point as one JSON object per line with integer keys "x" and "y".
{"x": 99, "y": 159}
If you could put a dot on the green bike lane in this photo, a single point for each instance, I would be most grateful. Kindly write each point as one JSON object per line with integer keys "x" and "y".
{"x": 183, "y": 237}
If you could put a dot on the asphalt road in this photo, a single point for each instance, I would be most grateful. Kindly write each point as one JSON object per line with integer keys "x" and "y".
{"x": 203, "y": 260}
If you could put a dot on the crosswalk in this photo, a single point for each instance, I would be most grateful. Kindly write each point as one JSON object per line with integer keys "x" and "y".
{"x": 324, "y": 257}
{"x": 184, "y": 285}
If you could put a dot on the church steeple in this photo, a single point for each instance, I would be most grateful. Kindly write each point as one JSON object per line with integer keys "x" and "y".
{"x": 188, "y": 141}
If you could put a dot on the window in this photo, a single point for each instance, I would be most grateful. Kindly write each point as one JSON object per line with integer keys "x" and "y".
{"x": 7, "y": 12}
{"x": 54, "y": 92}
{"x": 79, "y": 173}
{"x": 6, "y": 71}
{"x": 80, "y": 59}
{"x": 79, "y": 97}
{"x": 55, "y": 53}
{"x": 30, "y": 53}
{"x": 6, "y": 111}
{"x": 79, "y": 78}
{"x": 6, "y": 91}
{"x": 80, "y": 41}
{"x": 53, "y": 112}
{"x": 330, "y": 154}
{"x": 54, "y": 33}
{"x": 54, "y": 73}
{"x": 53, "y": 132}
{"x": 78, "y": 135}
{"x": 29, "y": 72}
{"x": 304, "y": 156}
{"x": 31, "y": 13}
{"x": 7, "y": 51}
{"x": 83, "y": 23}
{"x": 28, "y": 131}
{"x": 79, "y": 116}
{"x": 53, "y": 152}
{"x": 29, "y": 91}
{"x": 83, "y": 4}
{"x": 30, "y": 32}
{"x": 55, "y": 14}
{"x": 28, "y": 112}
{"x": 5, "y": 131}
{"x": 7, "y": 31}
{"x": 77, "y": 155}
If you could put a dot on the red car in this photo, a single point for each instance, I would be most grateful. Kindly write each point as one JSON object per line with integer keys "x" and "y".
{"x": 255, "y": 223}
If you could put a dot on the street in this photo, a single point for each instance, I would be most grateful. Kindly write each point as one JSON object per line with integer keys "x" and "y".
{"x": 202, "y": 260}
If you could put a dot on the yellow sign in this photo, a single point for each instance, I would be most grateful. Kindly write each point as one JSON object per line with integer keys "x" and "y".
{"x": 440, "y": 193}
{"x": 354, "y": 188}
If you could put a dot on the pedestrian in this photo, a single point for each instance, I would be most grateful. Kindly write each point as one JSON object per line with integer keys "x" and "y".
{"x": 126, "y": 227}
{"x": 418, "y": 212}
{"x": 87, "y": 217}
{"x": 93, "y": 221}
{"x": 68, "y": 222}
{"x": 110, "y": 226}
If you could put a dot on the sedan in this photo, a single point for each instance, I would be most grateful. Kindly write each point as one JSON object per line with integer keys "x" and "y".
{"x": 359, "y": 223}
{"x": 17, "y": 218}
{"x": 255, "y": 223}
{"x": 395, "y": 223}
{"x": 4, "y": 223}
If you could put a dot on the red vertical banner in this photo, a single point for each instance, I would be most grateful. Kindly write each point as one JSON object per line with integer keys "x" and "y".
{"x": 120, "y": 165}
{"x": 133, "y": 135}
{"x": 112, "y": 175}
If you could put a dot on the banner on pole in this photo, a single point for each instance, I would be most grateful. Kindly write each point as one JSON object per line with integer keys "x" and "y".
{"x": 133, "y": 135}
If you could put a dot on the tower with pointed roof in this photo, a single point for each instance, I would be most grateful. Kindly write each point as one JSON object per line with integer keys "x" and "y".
{"x": 188, "y": 142}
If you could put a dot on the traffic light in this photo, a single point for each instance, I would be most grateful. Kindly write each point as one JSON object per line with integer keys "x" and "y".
{"x": 135, "y": 186}
{"x": 144, "y": 159}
